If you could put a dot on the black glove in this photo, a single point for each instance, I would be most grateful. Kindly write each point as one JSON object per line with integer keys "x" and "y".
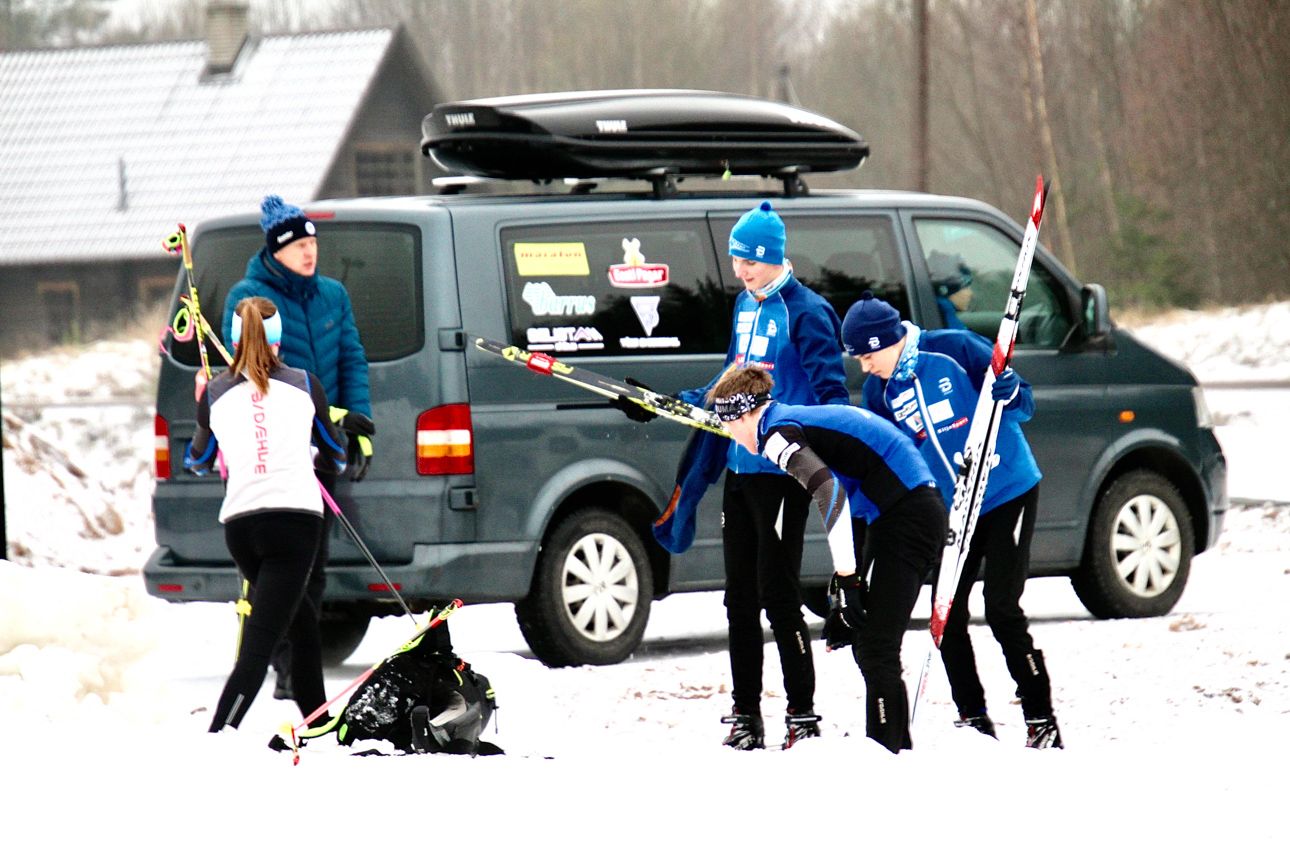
{"x": 836, "y": 632}
{"x": 360, "y": 430}
{"x": 353, "y": 423}
{"x": 359, "y": 455}
{"x": 846, "y": 598}
{"x": 632, "y": 410}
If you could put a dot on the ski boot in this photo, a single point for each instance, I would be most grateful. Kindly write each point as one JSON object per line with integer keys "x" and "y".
{"x": 1042, "y": 733}
{"x": 746, "y": 731}
{"x": 800, "y": 727}
{"x": 981, "y": 722}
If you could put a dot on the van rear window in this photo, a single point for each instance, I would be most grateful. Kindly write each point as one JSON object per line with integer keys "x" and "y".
{"x": 637, "y": 288}
{"x": 379, "y": 264}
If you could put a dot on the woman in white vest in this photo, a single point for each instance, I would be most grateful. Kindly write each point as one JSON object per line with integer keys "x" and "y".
{"x": 266, "y": 418}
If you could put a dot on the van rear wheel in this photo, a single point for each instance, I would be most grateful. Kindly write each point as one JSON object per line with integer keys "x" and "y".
{"x": 591, "y": 593}
{"x": 1140, "y": 546}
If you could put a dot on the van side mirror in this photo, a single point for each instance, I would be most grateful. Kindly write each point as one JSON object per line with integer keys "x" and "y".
{"x": 1097, "y": 314}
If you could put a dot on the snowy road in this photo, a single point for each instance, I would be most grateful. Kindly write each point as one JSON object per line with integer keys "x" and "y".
{"x": 1177, "y": 728}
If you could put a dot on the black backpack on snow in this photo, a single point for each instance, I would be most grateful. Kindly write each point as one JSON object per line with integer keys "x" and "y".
{"x": 421, "y": 700}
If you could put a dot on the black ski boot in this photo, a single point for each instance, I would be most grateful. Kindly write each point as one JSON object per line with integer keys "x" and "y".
{"x": 746, "y": 731}
{"x": 800, "y": 727}
{"x": 1042, "y": 734}
{"x": 981, "y": 722}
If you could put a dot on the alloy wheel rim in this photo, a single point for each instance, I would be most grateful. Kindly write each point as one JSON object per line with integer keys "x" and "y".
{"x": 1146, "y": 546}
{"x": 599, "y": 588}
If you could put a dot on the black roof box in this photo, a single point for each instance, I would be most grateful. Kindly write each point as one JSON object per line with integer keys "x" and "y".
{"x": 635, "y": 133}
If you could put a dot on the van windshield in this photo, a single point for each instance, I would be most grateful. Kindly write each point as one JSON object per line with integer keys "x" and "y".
{"x": 379, "y": 264}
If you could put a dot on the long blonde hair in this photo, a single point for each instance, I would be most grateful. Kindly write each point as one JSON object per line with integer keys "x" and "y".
{"x": 254, "y": 356}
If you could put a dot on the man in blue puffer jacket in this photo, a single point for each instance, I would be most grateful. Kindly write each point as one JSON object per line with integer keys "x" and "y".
{"x": 791, "y": 331}
{"x": 927, "y": 383}
{"x": 318, "y": 335}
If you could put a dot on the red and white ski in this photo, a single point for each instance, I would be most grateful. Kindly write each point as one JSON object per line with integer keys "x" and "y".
{"x": 978, "y": 455}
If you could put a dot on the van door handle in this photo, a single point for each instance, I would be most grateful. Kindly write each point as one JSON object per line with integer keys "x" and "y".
{"x": 452, "y": 339}
{"x": 463, "y": 498}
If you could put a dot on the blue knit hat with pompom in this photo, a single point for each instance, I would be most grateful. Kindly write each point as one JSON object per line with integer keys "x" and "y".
{"x": 283, "y": 223}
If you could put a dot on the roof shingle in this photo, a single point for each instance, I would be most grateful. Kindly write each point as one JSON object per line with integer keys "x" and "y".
{"x": 72, "y": 121}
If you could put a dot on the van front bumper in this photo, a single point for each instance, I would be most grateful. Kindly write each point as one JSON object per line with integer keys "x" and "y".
{"x": 498, "y": 572}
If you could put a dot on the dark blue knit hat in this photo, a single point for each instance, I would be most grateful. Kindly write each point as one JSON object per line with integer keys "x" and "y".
{"x": 870, "y": 325}
{"x": 283, "y": 223}
{"x": 759, "y": 235}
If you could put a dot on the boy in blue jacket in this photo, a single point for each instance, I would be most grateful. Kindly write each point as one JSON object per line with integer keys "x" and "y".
{"x": 855, "y": 465}
{"x": 783, "y": 326}
{"x": 927, "y": 383}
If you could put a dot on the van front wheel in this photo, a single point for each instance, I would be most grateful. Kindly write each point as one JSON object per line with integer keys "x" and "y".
{"x": 1140, "y": 546}
{"x": 591, "y": 593}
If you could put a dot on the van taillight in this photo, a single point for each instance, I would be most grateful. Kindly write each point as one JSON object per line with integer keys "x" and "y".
{"x": 161, "y": 447}
{"x": 445, "y": 441}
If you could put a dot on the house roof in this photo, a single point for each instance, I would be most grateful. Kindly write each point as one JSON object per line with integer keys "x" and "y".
{"x": 104, "y": 150}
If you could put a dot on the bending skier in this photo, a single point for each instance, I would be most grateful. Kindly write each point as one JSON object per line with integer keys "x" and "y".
{"x": 853, "y": 464}
{"x": 779, "y": 323}
{"x": 264, "y": 416}
{"x": 920, "y": 379}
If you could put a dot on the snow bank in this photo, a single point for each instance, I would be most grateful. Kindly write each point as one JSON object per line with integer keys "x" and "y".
{"x": 71, "y": 642}
{"x": 78, "y": 480}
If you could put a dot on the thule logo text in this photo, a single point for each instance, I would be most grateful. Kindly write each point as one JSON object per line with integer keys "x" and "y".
{"x": 459, "y": 120}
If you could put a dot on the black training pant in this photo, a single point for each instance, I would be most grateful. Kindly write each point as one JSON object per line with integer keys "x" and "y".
{"x": 901, "y": 549}
{"x": 281, "y": 661}
{"x": 274, "y": 550}
{"x": 1002, "y": 539}
{"x": 763, "y": 520}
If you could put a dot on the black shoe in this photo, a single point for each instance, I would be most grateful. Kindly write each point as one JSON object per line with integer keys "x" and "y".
{"x": 746, "y": 731}
{"x": 1043, "y": 734}
{"x": 800, "y": 727}
{"x": 981, "y": 722}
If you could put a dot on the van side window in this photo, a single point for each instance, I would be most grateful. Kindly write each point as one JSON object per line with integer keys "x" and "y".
{"x": 970, "y": 265}
{"x": 634, "y": 288}
{"x": 379, "y": 264}
{"x": 837, "y": 256}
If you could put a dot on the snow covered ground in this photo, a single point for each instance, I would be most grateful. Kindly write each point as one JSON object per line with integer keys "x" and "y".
{"x": 1176, "y": 727}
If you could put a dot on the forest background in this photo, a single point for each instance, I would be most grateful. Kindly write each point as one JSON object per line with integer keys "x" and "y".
{"x": 1164, "y": 123}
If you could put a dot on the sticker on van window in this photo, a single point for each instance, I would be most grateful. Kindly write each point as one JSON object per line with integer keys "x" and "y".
{"x": 545, "y": 303}
{"x": 649, "y": 342}
{"x": 543, "y": 259}
{"x": 565, "y": 338}
{"x": 646, "y": 308}
{"x": 633, "y": 272}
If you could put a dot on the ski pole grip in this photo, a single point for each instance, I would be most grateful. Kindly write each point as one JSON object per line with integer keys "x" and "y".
{"x": 540, "y": 362}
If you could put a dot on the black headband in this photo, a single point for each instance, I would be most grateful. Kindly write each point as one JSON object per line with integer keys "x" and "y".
{"x": 738, "y": 405}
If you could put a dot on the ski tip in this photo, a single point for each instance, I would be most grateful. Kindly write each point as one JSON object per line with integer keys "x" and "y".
{"x": 1041, "y": 197}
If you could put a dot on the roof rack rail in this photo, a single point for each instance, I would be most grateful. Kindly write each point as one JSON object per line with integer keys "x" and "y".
{"x": 659, "y": 136}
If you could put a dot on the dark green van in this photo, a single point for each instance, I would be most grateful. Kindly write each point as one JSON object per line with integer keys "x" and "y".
{"x": 493, "y": 484}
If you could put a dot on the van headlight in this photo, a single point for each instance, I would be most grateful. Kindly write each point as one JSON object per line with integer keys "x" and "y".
{"x": 1204, "y": 418}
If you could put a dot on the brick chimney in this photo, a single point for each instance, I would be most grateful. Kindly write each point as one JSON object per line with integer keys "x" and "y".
{"x": 226, "y": 32}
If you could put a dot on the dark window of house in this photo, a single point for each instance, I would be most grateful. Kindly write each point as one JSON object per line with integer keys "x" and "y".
{"x": 971, "y": 265}
{"x": 379, "y": 264}
{"x": 385, "y": 172}
{"x": 60, "y": 307}
{"x": 838, "y": 256}
{"x": 638, "y": 288}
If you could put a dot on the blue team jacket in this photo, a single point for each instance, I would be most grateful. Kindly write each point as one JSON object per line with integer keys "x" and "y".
{"x": 949, "y": 370}
{"x": 796, "y": 335}
{"x": 871, "y": 458}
